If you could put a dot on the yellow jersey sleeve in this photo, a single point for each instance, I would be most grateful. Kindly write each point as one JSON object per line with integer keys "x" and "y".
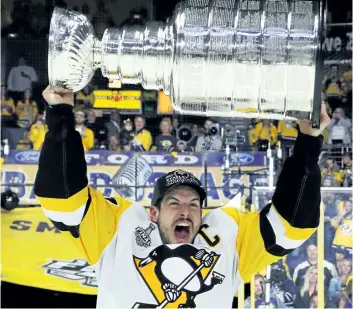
{"x": 87, "y": 218}
{"x": 263, "y": 238}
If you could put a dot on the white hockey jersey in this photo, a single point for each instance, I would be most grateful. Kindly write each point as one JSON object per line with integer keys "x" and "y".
{"x": 135, "y": 270}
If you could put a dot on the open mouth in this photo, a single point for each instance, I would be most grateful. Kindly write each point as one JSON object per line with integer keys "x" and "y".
{"x": 182, "y": 232}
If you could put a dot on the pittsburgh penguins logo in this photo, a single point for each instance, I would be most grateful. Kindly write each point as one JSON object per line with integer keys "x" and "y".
{"x": 176, "y": 276}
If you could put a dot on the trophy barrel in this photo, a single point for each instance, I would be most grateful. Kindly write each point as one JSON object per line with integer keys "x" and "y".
{"x": 245, "y": 58}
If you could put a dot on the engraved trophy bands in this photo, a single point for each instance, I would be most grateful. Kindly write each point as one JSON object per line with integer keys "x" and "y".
{"x": 229, "y": 58}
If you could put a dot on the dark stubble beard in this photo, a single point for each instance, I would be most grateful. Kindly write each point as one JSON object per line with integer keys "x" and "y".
{"x": 164, "y": 238}
{"x": 161, "y": 233}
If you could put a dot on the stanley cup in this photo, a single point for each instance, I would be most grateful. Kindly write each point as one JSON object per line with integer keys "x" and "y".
{"x": 230, "y": 58}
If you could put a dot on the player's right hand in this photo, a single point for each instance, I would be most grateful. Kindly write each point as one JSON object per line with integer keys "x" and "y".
{"x": 54, "y": 98}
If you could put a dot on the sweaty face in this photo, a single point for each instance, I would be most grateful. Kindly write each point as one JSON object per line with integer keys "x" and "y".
{"x": 208, "y": 124}
{"x": 91, "y": 116}
{"x": 179, "y": 217}
{"x": 313, "y": 276}
{"x": 139, "y": 123}
{"x": 329, "y": 163}
{"x": 79, "y": 119}
{"x": 347, "y": 160}
{"x": 346, "y": 267}
{"x": 165, "y": 127}
{"x": 312, "y": 252}
{"x": 258, "y": 286}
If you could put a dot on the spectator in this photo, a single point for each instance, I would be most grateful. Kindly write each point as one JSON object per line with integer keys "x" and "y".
{"x": 113, "y": 126}
{"x": 85, "y": 97}
{"x": 126, "y": 135}
{"x": 195, "y": 135}
{"x": 339, "y": 128}
{"x": 263, "y": 133}
{"x": 114, "y": 143}
{"x": 165, "y": 141}
{"x": 340, "y": 255}
{"x": 346, "y": 173}
{"x": 143, "y": 138}
{"x": 87, "y": 135}
{"x": 102, "y": 19}
{"x": 347, "y": 86}
{"x": 20, "y": 79}
{"x": 260, "y": 300}
{"x": 307, "y": 289}
{"x": 333, "y": 87}
{"x": 37, "y": 132}
{"x": 24, "y": 143}
{"x": 330, "y": 174}
{"x": 287, "y": 132}
{"x": 328, "y": 200}
{"x": 7, "y": 109}
{"x": 175, "y": 125}
{"x": 209, "y": 141}
{"x": 338, "y": 286}
{"x": 26, "y": 110}
{"x": 342, "y": 223}
{"x": 301, "y": 269}
{"x": 99, "y": 130}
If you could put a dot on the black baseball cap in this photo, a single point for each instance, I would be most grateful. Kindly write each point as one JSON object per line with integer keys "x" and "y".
{"x": 174, "y": 179}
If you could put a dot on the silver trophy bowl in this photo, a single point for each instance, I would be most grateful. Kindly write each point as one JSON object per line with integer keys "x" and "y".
{"x": 229, "y": 58}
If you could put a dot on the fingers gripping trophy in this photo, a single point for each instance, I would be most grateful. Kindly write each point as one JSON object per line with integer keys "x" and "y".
{"x": 244, "y": 58}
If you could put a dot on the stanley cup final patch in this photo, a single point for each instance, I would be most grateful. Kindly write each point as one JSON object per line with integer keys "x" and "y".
{"x": 142, "y": 235}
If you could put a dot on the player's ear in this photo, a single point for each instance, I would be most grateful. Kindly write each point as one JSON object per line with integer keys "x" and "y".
{"x": 154, "y": 213}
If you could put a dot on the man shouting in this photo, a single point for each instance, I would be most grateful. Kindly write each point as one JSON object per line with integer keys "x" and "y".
{"x": 172, "y": 256}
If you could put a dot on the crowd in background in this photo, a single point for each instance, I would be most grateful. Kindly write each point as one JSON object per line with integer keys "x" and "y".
{"x": 294, "y": 280}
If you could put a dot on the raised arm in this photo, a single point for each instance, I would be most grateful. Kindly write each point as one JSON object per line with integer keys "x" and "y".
{"x": 293, "y": 215}
{"x": 61, "y": 184}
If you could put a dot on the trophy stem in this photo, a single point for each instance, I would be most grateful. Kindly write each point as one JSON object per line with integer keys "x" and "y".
{"x": 97, "y": 54}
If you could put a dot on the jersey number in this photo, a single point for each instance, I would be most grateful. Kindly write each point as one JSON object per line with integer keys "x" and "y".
{"x": 211, "y": 242}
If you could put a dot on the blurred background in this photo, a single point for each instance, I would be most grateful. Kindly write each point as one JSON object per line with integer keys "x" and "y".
{"x": 129, "y": 147}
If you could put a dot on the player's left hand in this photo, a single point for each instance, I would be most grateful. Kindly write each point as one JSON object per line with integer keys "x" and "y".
{"x": 306, "y": 127}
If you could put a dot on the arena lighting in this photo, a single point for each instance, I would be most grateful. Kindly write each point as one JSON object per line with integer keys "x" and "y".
{"x": 9, "y": 200}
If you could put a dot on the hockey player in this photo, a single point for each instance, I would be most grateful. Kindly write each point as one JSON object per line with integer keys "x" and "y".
{"x": 171, "y": 256}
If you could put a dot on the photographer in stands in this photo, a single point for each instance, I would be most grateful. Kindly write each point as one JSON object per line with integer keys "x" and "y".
{"x": 211, "y": 139}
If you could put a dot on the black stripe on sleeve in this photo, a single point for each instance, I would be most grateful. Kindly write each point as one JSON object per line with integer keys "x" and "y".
{"x": 73, "y": 229}
{"x": 269, "y": 236}
{"x": 112, "y": 200}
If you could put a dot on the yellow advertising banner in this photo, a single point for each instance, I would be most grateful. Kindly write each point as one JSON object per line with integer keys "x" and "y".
{"x": 126, "y": 100}
{"x": 34, "y": 253}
